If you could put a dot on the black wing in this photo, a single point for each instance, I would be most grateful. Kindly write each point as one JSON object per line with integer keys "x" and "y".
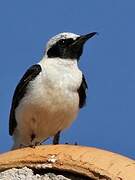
{"x": 20, "y": 90}
{"x": 82, "y": 92}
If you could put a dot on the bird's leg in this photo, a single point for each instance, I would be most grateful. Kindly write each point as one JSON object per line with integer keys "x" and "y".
{"x": 56, "y": 138}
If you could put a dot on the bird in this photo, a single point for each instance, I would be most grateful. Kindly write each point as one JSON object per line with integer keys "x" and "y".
{"x": 50, "y": 94}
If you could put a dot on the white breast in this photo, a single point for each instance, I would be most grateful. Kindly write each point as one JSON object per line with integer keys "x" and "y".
{"x": 57, "y": 80}
{"x": 51, "y": 102}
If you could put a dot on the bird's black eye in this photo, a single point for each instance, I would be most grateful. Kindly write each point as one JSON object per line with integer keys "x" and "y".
{"x": 60, "y": 49}
{"x": 65, "y": 42}
{"x": 62, "y": 42}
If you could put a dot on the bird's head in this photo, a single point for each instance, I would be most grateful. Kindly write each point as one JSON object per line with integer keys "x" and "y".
{"x": 67, "y": 45}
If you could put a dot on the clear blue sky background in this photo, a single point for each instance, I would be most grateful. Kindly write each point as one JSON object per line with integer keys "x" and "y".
{"x": 108, "y": 61}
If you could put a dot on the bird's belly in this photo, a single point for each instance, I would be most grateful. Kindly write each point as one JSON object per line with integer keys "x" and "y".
{"x": 45, "y": 115}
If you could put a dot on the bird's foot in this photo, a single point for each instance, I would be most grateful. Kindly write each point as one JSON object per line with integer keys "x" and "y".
{"x": 24, "y": 145}
{"x": 33, "y": 145}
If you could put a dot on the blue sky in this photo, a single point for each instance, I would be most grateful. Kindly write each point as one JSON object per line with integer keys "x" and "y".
{"x": 108, "y": 62}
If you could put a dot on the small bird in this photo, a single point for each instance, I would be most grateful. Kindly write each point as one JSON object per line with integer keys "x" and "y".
{"x": 49, "y": 95}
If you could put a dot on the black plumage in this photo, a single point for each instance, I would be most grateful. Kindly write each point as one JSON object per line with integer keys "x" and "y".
{"x": 19, "y": 93}
{"x": 82, "y": 92}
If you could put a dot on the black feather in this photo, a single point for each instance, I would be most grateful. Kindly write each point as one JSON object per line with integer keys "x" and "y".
{"x": 82, "y": 92}
{"x": 19, "y": 93}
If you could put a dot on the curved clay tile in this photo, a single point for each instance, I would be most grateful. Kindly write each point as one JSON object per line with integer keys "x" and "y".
{"x": 78, "y": 160}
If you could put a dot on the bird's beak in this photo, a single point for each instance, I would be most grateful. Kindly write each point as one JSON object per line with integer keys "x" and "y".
{"x": 82, "y": 39}
{"x": 77, "y": 45}
{"x": 75, "y": 49}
